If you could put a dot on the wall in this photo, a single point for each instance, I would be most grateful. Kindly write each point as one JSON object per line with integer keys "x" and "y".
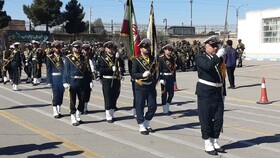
{"x": 250, "y": 31}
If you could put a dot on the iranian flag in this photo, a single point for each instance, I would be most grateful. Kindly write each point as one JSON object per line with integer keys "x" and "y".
{"x": 129, "y": 28}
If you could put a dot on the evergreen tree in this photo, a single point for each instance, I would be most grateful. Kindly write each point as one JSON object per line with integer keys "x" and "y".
{"x": 4, "y": 18}
{"x": 98, "y": 26}
{"x": 74, "y": 15}
{"x": 44, "y": 12}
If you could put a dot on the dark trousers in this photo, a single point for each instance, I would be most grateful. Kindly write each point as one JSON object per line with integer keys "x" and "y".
{"x": 37, "y": 70}
{"x": 74, "y": 93}
{"x": 133, "y": 92}
{"x": 86, "y": 94}
{"x": 111, "y": 94}
{"x": 57, "y": 90}
{"x": 211, "y": 113}
{"x": 239, "y": 62}
{"x": 9, "y": 69}
{"x": 167, "y": 90}
{"x": 15, "y": 73}
{"x": 231, "y": 78}
{"x": 28, "y": 70}
{"x": 143, "y": 94}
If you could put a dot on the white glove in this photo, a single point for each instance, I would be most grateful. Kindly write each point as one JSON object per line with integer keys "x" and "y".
{"x": 114, "y": 68}
{"x": 221, "y": 52}
{"x": 49, "y": 85}
{"x": 117, "y": 55}
{"x": 162, "y": 82}
{"x": 146, "y": 74}
{"x": 66, "y": 85}
{"x": 90, "y": 85}
{"x": 26, "y": 64}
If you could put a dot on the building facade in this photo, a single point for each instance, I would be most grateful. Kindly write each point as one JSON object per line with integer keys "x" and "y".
{"x": 260, "y": 32}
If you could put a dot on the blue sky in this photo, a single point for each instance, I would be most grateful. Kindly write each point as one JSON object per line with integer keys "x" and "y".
{"x": 177, "y": 12}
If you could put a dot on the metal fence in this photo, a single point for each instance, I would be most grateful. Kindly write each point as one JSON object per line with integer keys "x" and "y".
{"x": 116, "y": 27}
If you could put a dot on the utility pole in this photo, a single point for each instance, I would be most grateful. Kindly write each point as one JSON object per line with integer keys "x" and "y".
{"x": 165, "y": 28}
{"x": 191, "y": 2}
{"x": 89, "y": 25}
{"x": 237, "y": 14}
{"x": 225, "y": 28}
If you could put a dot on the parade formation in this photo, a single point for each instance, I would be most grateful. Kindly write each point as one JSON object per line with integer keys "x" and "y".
{"x": 74, "y": 68}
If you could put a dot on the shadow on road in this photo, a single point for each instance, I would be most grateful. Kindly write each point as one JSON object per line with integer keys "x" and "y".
{"x": 70, "y": 153}
{"x": 26, "y": 106}
{"x": 25, "y": 148}
{"x": 255, "y": 141}
{"x": 246, "y": 86}
{"x": 194, "y": 125}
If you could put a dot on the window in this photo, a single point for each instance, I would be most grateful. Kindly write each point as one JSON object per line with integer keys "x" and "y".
{"x": 271, "y": 30}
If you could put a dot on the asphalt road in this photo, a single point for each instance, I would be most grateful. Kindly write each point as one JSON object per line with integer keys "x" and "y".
{"x": 251, "y": 130}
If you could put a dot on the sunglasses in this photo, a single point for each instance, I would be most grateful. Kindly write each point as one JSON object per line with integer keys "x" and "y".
{"x": 214, "y": 45}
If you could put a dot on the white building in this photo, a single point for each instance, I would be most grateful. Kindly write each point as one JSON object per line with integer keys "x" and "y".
{"x": 260, "y": 32}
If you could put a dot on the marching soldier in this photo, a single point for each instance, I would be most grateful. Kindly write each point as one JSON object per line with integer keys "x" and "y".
{"x": 132, "y": 85}
{"x": 209, "y": 91}
{"x": 75, "y": 71}
{"x": 15, "y": 66}
{"x": 167, "y": 70}
{"x": 47, "y": 52}
{"x": 143, "y": 71}
{"x": 7, "y": 58}
{"x": 36, "y": 57}
{"x": 240, "y": 48}
{"x": 88, "y": 79}
{"x": 55, "y": 68}
{"x": 111, "y": 68}
{"x": 27, "y": 61}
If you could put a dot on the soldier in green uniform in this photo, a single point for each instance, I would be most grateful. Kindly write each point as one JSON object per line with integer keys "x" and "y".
{"x": 27, "y": 61}
{"x": 15, "y": 66}
{"x": 7, "y": 58}
{"x": 240, "y": 49}
{"x": 37, "y": 60}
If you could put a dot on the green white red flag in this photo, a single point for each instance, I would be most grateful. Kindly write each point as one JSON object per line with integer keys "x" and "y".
{"x": 129, "y": 28}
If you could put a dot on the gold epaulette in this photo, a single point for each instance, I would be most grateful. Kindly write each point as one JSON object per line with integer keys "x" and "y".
{"x": 132, "y": 57}
{"x": 161, "y": 56}
{"x": 69, "y": 55}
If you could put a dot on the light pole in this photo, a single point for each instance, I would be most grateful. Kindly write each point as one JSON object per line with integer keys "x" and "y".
{"x": 225, "y": 28}
{"x": 237, "y": 14}
{"x": 165, "y": 28}
{"x": 89, "y": 25}
{"x": 191, "y": 2}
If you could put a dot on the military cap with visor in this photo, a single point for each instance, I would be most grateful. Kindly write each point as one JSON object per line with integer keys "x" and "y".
{"x": 145, "y": 43}
{"x": 85, "y": 46}
{"x": 56, "y": 43}
{"x": 35, "y": 42}
{"x": 109, "y": 44}
{"x": 168, "y": 46}
{"x": 77, "y": 43}
{"x": 212, "y": 40}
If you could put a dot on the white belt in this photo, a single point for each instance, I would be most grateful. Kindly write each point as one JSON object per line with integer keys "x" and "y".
{"x": 77, "y": 77}
{"x": 110, "y": 77}
{"x": 210, "y": 83}
{"x": 167, "y": 74}
{"x": 56, "y": 73}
